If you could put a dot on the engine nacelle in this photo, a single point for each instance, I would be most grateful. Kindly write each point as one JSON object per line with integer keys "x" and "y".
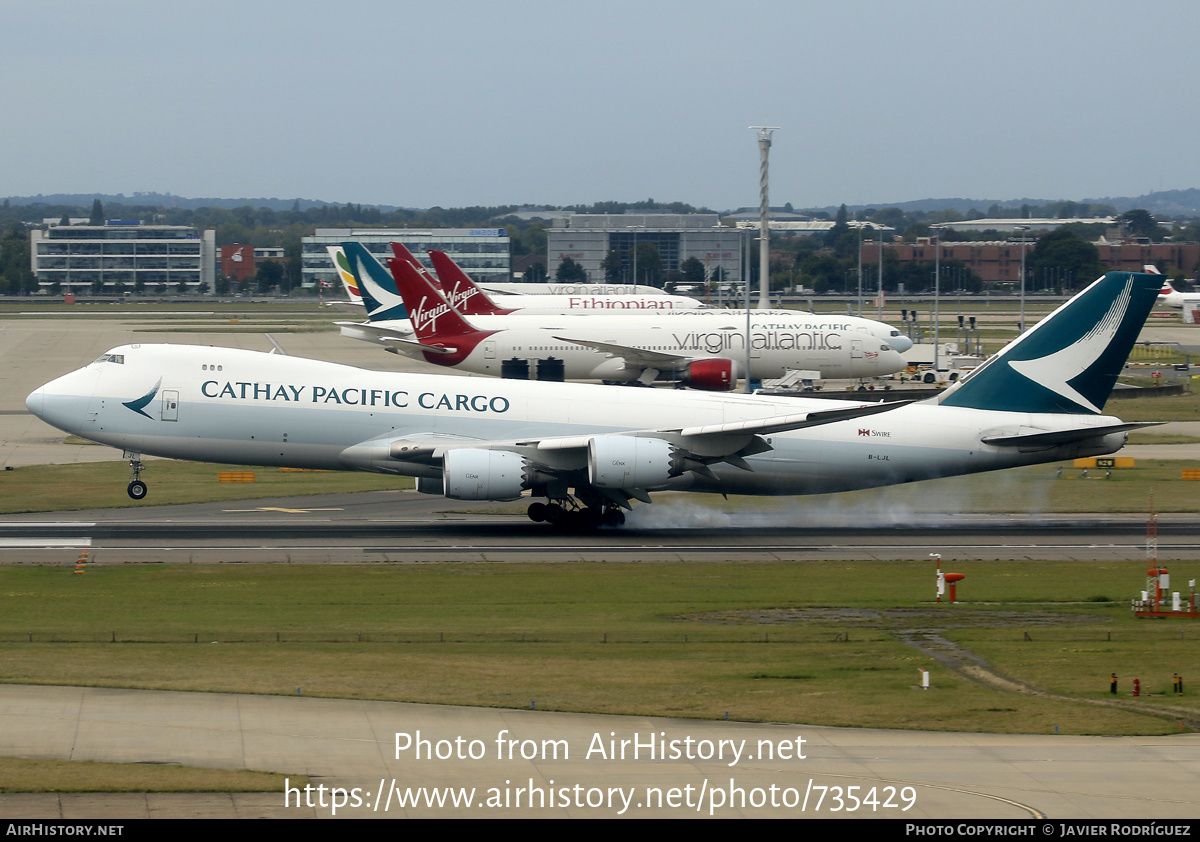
{"x": 712, "y": 375}
{"x": 631, "y": 462}
{"x": 471, "y": 474}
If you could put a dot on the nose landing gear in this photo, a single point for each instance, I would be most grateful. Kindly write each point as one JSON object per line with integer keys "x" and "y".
{"x": 136, "y": 489}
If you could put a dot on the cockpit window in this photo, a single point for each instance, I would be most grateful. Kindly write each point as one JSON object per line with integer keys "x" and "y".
{"x": 119, "y": 359}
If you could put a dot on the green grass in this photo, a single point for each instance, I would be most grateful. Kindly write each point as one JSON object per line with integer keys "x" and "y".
{"x": 1184, "y": 407}
{"x": 223, "y": 308}
{"x": 1161, "y": 438}
{"x": 93, "y": 485}
{"x": 1035, "y": 490}
{"x": 29, "y": 775}
{"x": 691, "y": 639}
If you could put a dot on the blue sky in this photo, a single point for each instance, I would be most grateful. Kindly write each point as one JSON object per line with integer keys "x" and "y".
{"x": 478, "y": 103}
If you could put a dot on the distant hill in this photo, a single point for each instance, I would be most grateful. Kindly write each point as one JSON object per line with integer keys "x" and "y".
{"x": 1167, "y": 202}
{"x": 168, "y": 200}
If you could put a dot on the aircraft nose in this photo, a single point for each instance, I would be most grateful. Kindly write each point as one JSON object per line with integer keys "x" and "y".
{"x": 63, "y": 402}
{"x": 900, "y": 343}
{"x": 36, "y": 401}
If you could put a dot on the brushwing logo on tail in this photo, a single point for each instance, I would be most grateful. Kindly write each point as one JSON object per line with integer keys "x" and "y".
{"x": 141, "y": 403}
{"x": 385, "y": 299}
{"x": 1055, "y": 371}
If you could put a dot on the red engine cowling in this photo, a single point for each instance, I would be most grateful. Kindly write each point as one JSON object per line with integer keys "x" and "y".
{"x": 712, "y": 375}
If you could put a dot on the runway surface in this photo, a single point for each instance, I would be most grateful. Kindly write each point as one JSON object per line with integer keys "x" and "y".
{"x": 579, "y": 765}
{"x": 385, "y": 526}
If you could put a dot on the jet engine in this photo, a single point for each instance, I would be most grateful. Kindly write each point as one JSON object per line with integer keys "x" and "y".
{"x": 631, "y": 462}
{"x": 711, "y": 375}
{"x": 473, "y": 474}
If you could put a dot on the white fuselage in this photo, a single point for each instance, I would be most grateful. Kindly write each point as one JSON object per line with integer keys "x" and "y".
{"x": 227, "y": 405}
{"x": 555, "y": 288}
{"x": 1178, "y": 300}
{"x": 781, "y": 341}
{"x": 625, "y": 304}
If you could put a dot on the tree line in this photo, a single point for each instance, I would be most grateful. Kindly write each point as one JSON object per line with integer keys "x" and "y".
{"x": 824, "y": 262}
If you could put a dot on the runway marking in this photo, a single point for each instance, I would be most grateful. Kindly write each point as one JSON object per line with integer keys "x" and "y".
{"x": 288, "y": 511}
{"x": 44, "y": 524}
{"x": 26, "y": 543}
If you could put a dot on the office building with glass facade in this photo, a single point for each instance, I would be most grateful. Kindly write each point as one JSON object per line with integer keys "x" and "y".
{"x": 123, "y": 256}
{"x": 483, "y": 253}
{"x": 588, "y": 238}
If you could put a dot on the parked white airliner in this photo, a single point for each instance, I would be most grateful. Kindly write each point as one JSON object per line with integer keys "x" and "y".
{"x": 705, "y": 349}
{"x": 1174, "y": 298}
{"x": 471, "y": 300}
{"x": 590, "y": 450}
{"x": 387, "y": 313}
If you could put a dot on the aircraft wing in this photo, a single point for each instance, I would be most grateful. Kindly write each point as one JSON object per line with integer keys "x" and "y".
{"x": 634, "y": 357}
{"x": 693, "y": 448}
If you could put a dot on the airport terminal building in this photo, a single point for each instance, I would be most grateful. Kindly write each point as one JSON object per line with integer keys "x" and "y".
{"x": 123, "y": 255}
{"x": 483, "y": 253}
{"x": 587, "y": 238}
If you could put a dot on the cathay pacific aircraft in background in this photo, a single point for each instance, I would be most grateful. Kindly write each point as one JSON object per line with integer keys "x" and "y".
{"x": 705, "y": 349}
{"x": 587, "y": 451}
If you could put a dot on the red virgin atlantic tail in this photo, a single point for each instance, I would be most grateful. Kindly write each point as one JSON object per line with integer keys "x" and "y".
{"x": 401, "y": 251}
{"x": 449, "y": 337}
{"x": 461, "y": 291}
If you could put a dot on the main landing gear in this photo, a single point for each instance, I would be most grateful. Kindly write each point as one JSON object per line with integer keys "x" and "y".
{"x": 137, "y": 488}
{"x": 567, "y": 514}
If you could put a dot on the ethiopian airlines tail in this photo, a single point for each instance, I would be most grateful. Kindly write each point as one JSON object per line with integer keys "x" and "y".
{"x": 349, "y": 283}
{"x": 1069, "y": 362}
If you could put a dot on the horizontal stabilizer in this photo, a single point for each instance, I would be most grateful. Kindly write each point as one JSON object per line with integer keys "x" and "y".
{"x": 412, "y": 346}
{"x": 1061, "y": 437}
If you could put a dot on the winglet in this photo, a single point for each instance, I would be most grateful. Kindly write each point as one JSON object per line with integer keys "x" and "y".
{"x": 1069, "y": 362}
